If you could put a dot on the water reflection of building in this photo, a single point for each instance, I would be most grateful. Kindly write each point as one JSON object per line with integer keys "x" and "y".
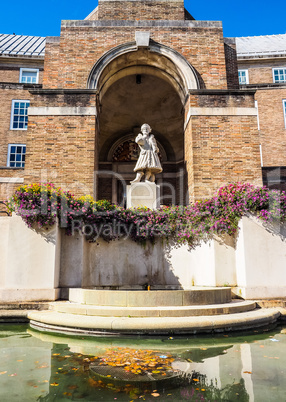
{"x": 253, "y": 370}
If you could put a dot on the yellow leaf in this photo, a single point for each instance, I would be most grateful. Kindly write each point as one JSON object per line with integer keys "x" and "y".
{"x": 54, "y": 384}
{"x": 155, "y": 394}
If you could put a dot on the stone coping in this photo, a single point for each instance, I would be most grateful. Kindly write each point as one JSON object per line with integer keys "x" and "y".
{"x": 72, "y": 323}
{"x": 152, "y": 298}
{"x": 142, "y": 23}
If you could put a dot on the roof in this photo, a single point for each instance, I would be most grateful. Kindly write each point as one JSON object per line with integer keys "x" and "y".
{"x": 261, "y": 46}
{"x": 21, "y": 45}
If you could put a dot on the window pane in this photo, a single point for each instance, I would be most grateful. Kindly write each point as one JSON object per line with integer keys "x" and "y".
{"x": 29, "y": 76}
{"x": 20, "y": 115}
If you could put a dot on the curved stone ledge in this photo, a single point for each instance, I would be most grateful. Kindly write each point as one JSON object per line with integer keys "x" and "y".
{"x": 236, "y": 306}
{"x": 61, "y": 322}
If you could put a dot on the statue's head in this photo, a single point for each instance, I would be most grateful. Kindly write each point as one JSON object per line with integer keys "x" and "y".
{"x": 146, "y": 128}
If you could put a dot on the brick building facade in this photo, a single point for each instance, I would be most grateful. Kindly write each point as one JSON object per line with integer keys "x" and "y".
{"x": 88, "y": 92}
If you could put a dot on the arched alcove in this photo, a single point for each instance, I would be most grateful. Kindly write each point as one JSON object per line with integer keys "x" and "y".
{"x": 137, "y": 86}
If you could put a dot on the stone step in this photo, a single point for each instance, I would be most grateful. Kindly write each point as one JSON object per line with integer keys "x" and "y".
{"x": 236, "y": 306}
{"x": 13, "y": 316}
{"x": 75, "y": 323}
{"x": 153, "y": 298}
{"x": 24, "y": 306}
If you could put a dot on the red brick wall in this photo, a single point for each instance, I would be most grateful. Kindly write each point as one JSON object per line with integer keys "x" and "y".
{"x": 52, "y": 63}
{"x": 221, "y": 149}
{"x": 12, "y": 73}
{"x": 7, "y": 136}
{"x": 226, "y": 149}
{"x": 231, "y": 65}
{"x": 68, "y": 63}
{"x": 272, "y": 126}
{"x": 141, "y": 10}
{"x": 61, "y": 149}
{"x": 260, "y": 72}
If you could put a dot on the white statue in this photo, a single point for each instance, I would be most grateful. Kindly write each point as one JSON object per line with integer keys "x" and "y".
{"x": 148, "y": 161}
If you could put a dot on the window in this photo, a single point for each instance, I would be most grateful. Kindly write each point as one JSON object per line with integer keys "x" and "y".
{"x": 284, "y": 110}
{"x": 16, "y": 155}
{"x": 279, "y": 74}
{"x": 243, "y": 77}
{"x": 29, "y": 75}
{"x": 19, "y": 115}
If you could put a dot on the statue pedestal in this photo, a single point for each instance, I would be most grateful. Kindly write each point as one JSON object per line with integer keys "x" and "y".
{"x": 143, "y": 194}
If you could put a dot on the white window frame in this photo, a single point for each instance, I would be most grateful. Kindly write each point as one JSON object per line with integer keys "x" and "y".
{"x": 278, "y": 68}
{"x": 9, "y": 153}
{"x": 33, "y": 70}
{"x": 246, "y": 75}
{"x": 12, "y": 113}
{"x": 284, "y": 110}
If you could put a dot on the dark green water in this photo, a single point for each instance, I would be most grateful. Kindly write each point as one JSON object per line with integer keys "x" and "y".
{"x": 38, "y": 366}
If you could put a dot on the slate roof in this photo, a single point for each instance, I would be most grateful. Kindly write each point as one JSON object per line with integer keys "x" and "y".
{"x": 21, "y": 45}
{"x": 261, "y": 46}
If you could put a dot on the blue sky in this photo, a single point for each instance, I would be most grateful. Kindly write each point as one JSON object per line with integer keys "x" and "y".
{"x": 244, "y": 18}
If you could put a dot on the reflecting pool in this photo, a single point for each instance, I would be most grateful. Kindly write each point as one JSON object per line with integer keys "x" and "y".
{"x": 40, "y": 366}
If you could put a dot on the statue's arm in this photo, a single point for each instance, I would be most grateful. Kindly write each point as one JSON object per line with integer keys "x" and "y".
{"x": 139, "y": 139}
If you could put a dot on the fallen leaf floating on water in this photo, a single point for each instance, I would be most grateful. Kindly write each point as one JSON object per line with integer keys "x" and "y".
{"x": 137, "y": 361}
{"x": 155, "y": 394}
{"x": 73, "y": 387}
{"x": 54, "y": 384}
{"x": 3, "y": 372}
{"x": 248, "y": 372}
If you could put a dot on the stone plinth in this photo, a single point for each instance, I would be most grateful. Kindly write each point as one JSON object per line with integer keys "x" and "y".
{"x": 143, "y": 194}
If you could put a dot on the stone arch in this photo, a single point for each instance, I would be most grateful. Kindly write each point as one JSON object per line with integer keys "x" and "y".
{"x": 156, "y": 59}
{"x": 125, "y": 104}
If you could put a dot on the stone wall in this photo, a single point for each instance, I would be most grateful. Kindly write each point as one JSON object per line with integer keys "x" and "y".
{"x": 29, "y": 261}
{"x": 36, "y": 264}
